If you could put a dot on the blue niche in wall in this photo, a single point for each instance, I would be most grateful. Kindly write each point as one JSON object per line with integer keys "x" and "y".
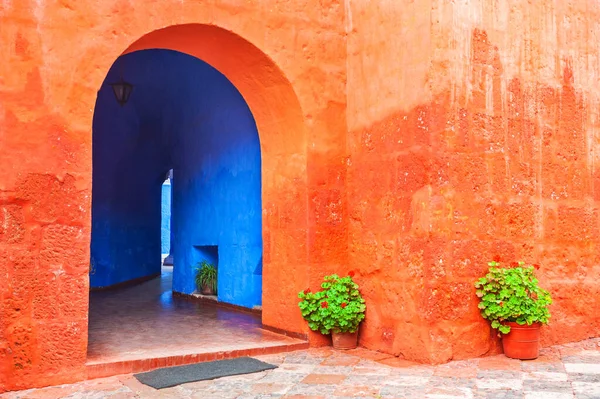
{"x": 186, "y": 116}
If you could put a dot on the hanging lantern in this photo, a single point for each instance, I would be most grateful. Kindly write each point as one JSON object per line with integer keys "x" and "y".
{"x": 122, "y": 90}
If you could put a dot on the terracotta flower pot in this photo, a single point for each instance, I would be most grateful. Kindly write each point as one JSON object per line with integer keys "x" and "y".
{"x": 207, "y": 289}
{"x": 522, "y": 342}
{"x": 344, "y": 340}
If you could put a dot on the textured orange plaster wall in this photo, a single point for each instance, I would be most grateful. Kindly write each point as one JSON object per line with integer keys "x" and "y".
{"x": 473, "y": 131}
{"x": 55, "y": 56}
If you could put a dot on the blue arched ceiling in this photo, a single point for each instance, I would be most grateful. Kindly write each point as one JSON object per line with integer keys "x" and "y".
{"x": 185, "y": 115}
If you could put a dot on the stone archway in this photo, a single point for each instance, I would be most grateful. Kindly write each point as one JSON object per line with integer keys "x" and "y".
{"x": 282, "y": 132}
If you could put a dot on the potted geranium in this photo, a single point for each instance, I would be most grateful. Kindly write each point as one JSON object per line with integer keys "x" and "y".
{"x": 512, "y": 300}
{"x": 337, "y": 309}
{"x": 206, "y": 278}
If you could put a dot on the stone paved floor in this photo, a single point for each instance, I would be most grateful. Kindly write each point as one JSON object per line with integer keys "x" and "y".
{"x": 561, "y": 372}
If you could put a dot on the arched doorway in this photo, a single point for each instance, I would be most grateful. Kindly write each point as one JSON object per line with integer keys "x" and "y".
{"x": 263, "y": 257}
{"x": 186, "y": 116}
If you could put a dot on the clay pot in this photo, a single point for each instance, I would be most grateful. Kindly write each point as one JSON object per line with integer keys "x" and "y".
{"x": 207, "y": 289}
{"x": 522, "y": 342}
{"x": 344, "y": 340}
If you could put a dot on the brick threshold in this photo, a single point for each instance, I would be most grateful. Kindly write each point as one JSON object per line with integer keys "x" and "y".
{"x": 112, "y": 368}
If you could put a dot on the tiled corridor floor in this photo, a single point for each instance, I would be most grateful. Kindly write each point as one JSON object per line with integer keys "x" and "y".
{"x": 562, "y": 372}
{"x": 146, "y": 322}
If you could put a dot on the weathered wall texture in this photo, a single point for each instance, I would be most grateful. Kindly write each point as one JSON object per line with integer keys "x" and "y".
{"x": 416, "y": 140}
{"x": 473, "y": 133}
{"x": 55, "y": 56}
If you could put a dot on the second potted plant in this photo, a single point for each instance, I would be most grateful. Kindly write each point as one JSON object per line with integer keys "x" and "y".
{"x": 337, "y": 309}
{"x": 206, "y": 278}
{"x": 512, "y": 300}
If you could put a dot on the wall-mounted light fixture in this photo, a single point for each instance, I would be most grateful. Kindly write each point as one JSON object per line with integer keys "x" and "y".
{"x": 122, "y": 90}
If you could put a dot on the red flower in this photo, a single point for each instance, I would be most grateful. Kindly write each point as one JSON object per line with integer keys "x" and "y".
{"x": 351, "y": 274}
{"x": 496, "y": 258}
{"x": 501, "y": 303}
{"x": 306, "y": 291}
{"x": 324, "y": 305}
{"x": 536, "y": 266}
{"x": 514, "y": 264}
{"x": 343, "y": 305}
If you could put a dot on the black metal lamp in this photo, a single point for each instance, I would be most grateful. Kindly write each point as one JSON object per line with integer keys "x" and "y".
{"x": 122, "y": 91}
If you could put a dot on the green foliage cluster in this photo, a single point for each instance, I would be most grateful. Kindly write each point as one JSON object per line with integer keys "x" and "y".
{"x": 338, "y": 307}
{"x": 206, "y": 275}
{"x": 512, "y": 294}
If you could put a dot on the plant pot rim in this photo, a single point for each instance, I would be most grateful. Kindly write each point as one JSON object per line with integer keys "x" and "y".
{"x": 515, "y": 324}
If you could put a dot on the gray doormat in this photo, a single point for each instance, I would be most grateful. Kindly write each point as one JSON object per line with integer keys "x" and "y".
{"x": 173, "y": 376}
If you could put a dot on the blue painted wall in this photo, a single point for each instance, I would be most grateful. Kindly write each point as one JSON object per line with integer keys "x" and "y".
{"x": 165, "y": 212}
{"x": 184, "y": 115}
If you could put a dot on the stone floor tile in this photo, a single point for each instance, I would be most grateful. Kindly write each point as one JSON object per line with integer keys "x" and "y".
{"x": 369, "y": 380}
{"x": 582, "y": 368}
{"x": 496, "y": 384}
{"x": 451, "y": 382}
{"x": 547, "y": 386}
{"x": 341, "y": 361}
{"x": 284, "y": 377}
{"x": 545, "y": 376}
{"x": 583, "y": 357}
{"x": 324, "y": 379}
{"x": 461, "y": 372}
{"x": 368, "y": 354}
{"x": 332, "y": 370}
{"x": 302, "y": 357}
{"x": 592, "y": 378}
{"x": 407, "y": 380}
{"x": 370, "y": 370}
{"x": 549, "y": 395}
{"x": 586, "y": 390}
{"x": 499, "y": 362}
{"x": 326, "y": 390}
{"x": 214, "y": 395}
{"x": 402, "y": 392}
{"x": 420, "y": 370}
{"x": 448, "y": 393}
{"x": 557, "y": 366}
{"x": 271, "y": 388}
{"x": 397, "y": 362}
{"x": 501, "y": 374}
{"x": 354, "y": 391}
{"x": 498, "y": 394}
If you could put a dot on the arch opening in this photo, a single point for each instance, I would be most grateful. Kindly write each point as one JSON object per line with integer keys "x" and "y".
{"x": 183, "y": 116}
{"x": 253, "y": 189}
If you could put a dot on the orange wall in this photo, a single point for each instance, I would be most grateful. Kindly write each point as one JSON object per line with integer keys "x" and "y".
{"x": 409, "y": 141}
{"x": 473, "y": 130}
{"x": 55, "y": 56}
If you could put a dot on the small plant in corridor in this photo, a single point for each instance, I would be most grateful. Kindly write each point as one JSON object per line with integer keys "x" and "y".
{"x": 206, "y": 278}
{"x": 512, "y": 295}
{"x": 338, "y": 308}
